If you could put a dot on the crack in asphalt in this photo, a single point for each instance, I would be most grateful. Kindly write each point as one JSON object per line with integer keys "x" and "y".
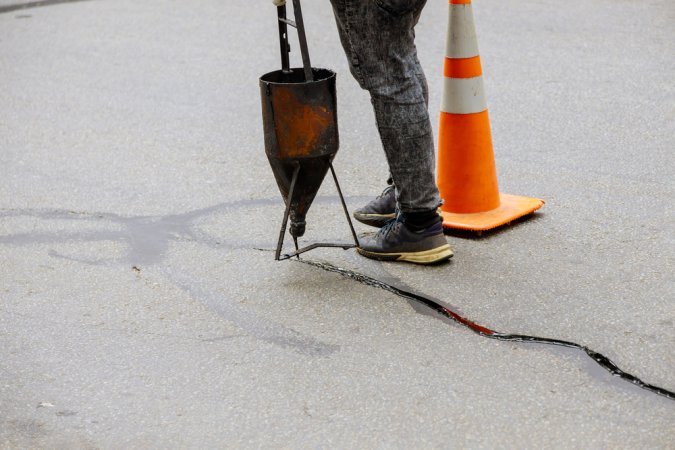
{"x": 148, "y": 238}
{"x": 436, "y": 306}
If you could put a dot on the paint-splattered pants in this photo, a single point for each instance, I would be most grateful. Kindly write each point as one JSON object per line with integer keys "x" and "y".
{"x": 379, "y": 40}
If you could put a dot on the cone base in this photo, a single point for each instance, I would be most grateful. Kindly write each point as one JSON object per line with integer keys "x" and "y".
{"x": 511, "y": 208}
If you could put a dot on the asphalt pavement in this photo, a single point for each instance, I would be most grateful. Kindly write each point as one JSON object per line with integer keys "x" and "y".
{"x": 140, "y": 303}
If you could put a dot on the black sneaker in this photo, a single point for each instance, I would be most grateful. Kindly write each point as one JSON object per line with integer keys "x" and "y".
{"x": 379, "y": 211}
{"x": 396, "y": 242}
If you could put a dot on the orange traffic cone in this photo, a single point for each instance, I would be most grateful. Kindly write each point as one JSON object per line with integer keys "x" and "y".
{"x": 467, "y": 178}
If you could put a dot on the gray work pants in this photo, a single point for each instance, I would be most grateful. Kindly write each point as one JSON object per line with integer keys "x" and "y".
{"x": 379, "y": 40}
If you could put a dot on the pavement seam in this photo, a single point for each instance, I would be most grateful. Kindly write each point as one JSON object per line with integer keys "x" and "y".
{"x": 602, "y": 360}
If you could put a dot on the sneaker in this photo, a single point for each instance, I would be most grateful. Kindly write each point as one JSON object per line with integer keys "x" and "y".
{"x": 379, "y": 211}
{"x": 396, "y": 242}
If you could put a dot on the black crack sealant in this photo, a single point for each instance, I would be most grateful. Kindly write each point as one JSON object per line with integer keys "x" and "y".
{"x": 599, "y": 358}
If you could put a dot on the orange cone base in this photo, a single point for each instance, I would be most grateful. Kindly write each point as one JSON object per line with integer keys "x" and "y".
{"x": 511, "y": 207}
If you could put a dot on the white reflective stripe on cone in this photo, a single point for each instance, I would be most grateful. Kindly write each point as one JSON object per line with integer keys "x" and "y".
{"x": 463, "y": 96}
{"x": 462, "y": 41}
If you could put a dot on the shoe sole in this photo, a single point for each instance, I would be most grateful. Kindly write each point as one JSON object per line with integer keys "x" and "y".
{"x": 432, "y": 256}
{"x": 374, "y": 220}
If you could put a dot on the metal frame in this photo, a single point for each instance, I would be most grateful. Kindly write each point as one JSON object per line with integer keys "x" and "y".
{"x": 282, "y": 232}
{"x": 285, "y": 49}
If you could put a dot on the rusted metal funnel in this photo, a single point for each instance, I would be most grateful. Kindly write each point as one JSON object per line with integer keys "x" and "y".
{"x": 299, "y": 109}
{"x": 301, "y": 133}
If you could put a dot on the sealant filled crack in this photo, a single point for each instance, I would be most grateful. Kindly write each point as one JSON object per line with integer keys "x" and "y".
{"x": 599, "y": 358}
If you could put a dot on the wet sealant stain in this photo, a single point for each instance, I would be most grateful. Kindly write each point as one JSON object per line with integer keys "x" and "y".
{"x": 248, "y": 321}
{"x": 147, "y": 240}
{"x": 599, "y": 358}
{"x": 36, "y": 4}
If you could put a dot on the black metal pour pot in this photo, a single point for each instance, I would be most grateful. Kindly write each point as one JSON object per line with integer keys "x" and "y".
{"x": 299, "y": 109}
{"x": 301, "y": 133}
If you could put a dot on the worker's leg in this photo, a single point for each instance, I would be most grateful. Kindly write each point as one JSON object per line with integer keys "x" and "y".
{"x": 378, "y": 38}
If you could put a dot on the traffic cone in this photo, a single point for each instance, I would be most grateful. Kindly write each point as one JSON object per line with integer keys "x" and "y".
{"x": 467, "y": 177}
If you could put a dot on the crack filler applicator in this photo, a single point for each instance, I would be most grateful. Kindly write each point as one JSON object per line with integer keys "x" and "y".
{"x": 299, "y": 107}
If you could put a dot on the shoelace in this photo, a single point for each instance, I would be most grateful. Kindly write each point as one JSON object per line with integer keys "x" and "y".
{"x": 385, "y": 191}
{"x": 389, "y": 225}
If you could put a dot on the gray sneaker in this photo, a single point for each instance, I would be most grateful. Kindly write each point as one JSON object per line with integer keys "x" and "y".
{"x": 379, "y": 211}
{"x": 396, "y": 242}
